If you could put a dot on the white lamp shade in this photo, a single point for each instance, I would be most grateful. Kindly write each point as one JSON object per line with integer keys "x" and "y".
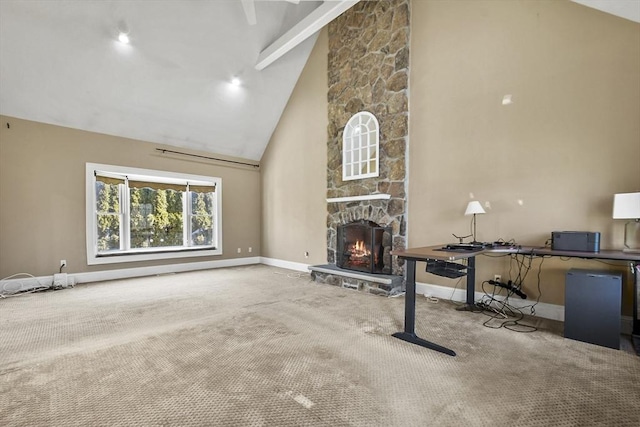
{"x": 474, "y": 207}
{"x": 626, "y": 206}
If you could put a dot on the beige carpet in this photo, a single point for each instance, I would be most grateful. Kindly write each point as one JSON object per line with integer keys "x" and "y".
{"x": 261, "y": 346}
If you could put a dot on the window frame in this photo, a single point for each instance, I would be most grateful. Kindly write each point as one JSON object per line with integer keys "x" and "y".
{"x": 353, "y": 146}
{"x": 147, "y": 254}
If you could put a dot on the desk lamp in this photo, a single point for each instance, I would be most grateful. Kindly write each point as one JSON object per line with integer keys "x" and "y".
{"x": 474, "y": 207}
{"x": 627, "y": 206}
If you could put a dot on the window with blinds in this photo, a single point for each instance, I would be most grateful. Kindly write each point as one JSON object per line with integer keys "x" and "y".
{"x": 136, "y": 214}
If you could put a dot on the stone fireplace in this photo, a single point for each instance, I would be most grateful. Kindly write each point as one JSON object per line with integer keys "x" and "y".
{"x": 368, "y": 71}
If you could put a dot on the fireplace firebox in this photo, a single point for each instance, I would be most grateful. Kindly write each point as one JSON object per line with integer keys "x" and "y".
{"x": 364, "y": 246}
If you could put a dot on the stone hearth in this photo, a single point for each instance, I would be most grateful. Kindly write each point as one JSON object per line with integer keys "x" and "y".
{"x": 378, "y": 284}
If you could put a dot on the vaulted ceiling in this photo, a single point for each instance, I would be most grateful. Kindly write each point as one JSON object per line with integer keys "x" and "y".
{"x": 61, "y": 63}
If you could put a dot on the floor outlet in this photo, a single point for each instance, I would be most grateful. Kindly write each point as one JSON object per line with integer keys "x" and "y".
{"x": 497, "y": 278}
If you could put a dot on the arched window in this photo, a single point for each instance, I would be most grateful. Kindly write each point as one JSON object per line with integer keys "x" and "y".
{"x": 360, "y": 143}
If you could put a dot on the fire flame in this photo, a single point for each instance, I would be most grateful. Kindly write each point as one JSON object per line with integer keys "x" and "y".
{"x": 359, "y": 249}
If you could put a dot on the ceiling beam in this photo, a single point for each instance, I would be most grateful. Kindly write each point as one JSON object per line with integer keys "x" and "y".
{"x": 250, "y": 10}
{"x": 317, "y": 19}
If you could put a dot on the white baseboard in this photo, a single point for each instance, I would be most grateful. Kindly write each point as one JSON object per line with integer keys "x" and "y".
{"x": 10, "y": 286}
{"x": 548, "y": 311}
{"x": 290, "y": 265}
{"x": 542, "y": 309}
{"x": 125, "y": 273}
{"x": 28, "y": 283}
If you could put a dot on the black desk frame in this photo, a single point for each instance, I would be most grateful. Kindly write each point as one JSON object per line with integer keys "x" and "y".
{"x": 409, "y": 333}
{"x": 411, "y": 256}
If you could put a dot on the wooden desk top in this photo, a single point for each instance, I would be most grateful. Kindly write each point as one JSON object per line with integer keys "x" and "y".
{"x": 603, "y": 254}
{"x": 436, "y": 252}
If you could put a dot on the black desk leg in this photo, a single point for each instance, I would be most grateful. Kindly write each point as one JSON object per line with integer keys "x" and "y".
{"x": 635, "y": 332}
{"x": 409, "y": 333}
{"x": 470, "y": 303}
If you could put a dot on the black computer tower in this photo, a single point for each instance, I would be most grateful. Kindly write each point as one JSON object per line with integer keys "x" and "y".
{"x": 592, "y": 307}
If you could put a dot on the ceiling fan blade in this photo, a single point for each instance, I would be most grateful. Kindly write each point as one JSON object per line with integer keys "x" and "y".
{"x": 250, "y": 11}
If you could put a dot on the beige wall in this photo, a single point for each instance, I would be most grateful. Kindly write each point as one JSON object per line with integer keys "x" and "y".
{"x": 293, "y": 169}
{"x": 42, "y": 196}
{"x": 569, "y": 141}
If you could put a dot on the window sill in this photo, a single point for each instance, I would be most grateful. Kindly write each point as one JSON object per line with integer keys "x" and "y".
{"x": 150, "y": 255}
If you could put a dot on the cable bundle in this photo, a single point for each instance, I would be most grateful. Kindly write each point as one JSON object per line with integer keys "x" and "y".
{"x": 496, "y": 306}
{"x": 8, "y": 287}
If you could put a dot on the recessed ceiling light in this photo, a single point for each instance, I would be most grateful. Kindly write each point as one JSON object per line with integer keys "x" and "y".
{"x": 123, "y": 38}
{"x": 235, "y": 81}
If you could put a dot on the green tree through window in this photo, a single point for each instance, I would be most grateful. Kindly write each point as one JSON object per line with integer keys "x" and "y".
{"x": 109, "y": 216}
{"x": 201, "y": 220}
{"x": 159, "y": 215}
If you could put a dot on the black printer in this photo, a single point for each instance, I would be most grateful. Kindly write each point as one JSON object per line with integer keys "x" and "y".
{"x": 580, "y": 241}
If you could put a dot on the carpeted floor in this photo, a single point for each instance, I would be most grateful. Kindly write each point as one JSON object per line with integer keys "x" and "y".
{"x": 262, "y": 346}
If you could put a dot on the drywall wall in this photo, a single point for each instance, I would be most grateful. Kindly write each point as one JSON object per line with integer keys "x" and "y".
{"x": 552, "y": 159}
{"x": 42, "y": 196}
{"x": 293, "y": 170}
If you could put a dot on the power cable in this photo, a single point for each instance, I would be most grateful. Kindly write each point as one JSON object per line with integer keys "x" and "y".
{"x": 21, "y": 290}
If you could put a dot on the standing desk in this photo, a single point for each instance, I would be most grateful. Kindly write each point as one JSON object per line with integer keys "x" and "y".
{"x": 413, "y": 255}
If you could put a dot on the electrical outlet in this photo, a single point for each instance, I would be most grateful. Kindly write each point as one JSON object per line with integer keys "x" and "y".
{"x": 497, "y": 278}
{"x": 63, "y": 263}
{"x": 306, "y": 254}
{"x": 250, "y": 249}
{"x": 239, "y": 250}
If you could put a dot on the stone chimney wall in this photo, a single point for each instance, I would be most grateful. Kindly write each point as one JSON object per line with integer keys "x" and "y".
{"x": 369, "y": 71}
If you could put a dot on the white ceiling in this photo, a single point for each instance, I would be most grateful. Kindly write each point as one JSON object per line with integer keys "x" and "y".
{"x": 60, "y": 63}
{"x": 628, "y": 9}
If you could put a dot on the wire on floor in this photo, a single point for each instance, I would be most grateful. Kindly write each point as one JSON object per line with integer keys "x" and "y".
{"x": 396, "y": 294}
{"x": 5, "y": 292}
{"x": 291, "y": 275}
{"x": 496, "y": 304}
{"x": 501, "y": 313}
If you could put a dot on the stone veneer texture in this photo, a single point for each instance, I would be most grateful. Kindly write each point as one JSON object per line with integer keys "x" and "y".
{"x": 369, "y": 71}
